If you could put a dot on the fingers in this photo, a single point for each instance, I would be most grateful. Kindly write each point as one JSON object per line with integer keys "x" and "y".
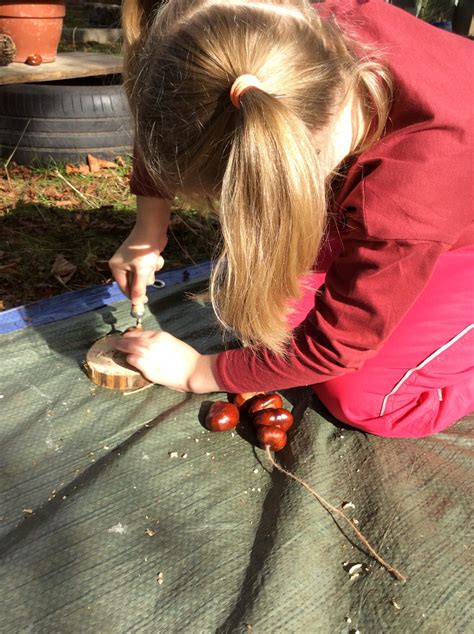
{"x": 121, "y": 278}
{"x": 131, "y": 346}
{"x": 135, "y": 334}
{"x": 138, "y": 282}
{"x": 137, "y": 362}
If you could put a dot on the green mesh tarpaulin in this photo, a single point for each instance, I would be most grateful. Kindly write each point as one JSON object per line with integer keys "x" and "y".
{"x": 121, "y": 513}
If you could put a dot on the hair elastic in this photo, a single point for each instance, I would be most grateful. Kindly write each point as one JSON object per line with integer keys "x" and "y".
{"x": 241, "y": 85}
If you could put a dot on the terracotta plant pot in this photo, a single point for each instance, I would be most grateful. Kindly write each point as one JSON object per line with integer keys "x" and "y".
{"x": 35, "y": 27}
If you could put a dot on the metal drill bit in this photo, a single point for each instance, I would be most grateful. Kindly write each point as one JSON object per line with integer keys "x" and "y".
{"x": 137, "y": 312}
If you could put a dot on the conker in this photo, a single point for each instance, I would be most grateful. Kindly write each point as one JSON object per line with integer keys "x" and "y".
{"x": 280, "y": 417}
{"x": 265, "y": 401}
{"x": 222, "y": 416}
{"x": 242, "y": 399}
{"x": 34, "y": 60}
{"x": 272, "y": 436}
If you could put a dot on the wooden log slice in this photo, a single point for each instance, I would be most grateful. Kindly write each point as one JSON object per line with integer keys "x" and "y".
{"x": 107, "y": 367}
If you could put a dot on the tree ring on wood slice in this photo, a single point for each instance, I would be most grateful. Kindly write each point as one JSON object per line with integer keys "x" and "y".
{"x": 106, "y": 366}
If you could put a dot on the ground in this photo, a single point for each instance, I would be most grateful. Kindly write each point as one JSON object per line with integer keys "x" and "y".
{"x": 59, "y": 226}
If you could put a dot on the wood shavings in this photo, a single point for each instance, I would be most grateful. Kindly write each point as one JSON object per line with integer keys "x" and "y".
{"x": 395, "y": 604}
{"x": 140, "y": 389}
{"x": 118, "y": 529}
{"x": 348, "y": 505}
{"x": 172, "y": 454}
{"x": 184, "y": 455}
{"x": 28, "y": 511}
{"x": 150, "y": 532}
{"x": 255, "y": 470}
{"x": 355, "y": 568}
{"x": 159, "y": 578}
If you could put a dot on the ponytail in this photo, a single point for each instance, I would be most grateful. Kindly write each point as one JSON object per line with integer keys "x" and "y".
{"x": 272, "y": 213}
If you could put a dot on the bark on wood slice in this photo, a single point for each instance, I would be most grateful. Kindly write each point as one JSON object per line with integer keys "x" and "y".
{"x": 107, "y": 367}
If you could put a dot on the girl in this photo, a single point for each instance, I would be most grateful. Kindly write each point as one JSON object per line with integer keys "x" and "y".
{"x": 334, "y": 140}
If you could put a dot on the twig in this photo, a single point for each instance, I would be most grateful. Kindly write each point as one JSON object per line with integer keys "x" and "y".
{"x": 13, "y": 153}
{"x": 84, "y": 198}
{"x": 332, "y": 509}
{"x": 61, "y": 281}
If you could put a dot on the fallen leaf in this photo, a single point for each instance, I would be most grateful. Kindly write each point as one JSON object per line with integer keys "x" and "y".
{"x": 64, "y": 203}
{"x": 19, "y": 170}
{"x": 107, "y": 164}
{"x": 93, "y": 163}
{"x": 52, "y": 192}
{"x": 77, "y": 169}
{"x": 63, "y": 268}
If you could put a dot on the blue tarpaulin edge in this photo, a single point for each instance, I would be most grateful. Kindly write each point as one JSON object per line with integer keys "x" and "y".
{"x": 74, "y": 303}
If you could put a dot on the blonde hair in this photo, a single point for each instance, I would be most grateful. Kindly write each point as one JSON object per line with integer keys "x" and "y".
{"x": 258, "y": 162}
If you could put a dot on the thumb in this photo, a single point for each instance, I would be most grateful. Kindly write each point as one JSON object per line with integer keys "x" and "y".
{"x": 159, "y": 263}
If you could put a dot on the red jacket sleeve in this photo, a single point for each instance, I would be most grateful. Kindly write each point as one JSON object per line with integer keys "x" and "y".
{"x": 368, "y": 289}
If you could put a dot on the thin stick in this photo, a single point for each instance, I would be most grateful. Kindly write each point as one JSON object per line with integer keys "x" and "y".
{"x": 13, "y": 153}
{"x": 332, "y": 509}
{"x": 84, "y": 198}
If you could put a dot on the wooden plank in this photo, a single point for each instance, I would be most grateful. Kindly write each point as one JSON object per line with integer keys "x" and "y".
{"x": 66, "y": 66}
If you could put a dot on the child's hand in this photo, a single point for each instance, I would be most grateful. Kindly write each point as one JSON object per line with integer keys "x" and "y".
{"x": 141, "y": 259}
{"x": 140, "y": 254}
{"x": 161, "y": 358}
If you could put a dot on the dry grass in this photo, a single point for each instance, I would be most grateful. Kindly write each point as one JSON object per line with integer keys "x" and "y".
{"x": 83, "y": 217}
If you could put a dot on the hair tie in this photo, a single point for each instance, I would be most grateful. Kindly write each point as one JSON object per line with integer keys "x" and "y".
{"x": 241, "y": 85}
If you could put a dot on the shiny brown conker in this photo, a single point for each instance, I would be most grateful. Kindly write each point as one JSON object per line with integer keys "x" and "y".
{"x": 34, "y": 60}
{"x": 222, "y": 416}
{"x": 280, "y": 417}
{"x": 272, "y": 436}
{"x": 241, "y": 400}
{"x": 265, "y": 401}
